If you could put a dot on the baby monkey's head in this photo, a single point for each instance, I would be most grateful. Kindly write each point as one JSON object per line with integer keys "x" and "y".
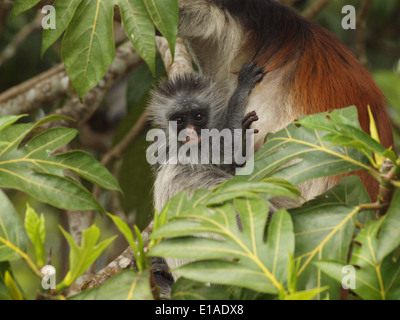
{"x": 191, "y": 102}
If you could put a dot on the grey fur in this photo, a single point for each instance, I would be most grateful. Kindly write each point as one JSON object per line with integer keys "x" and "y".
{"x": 183, "y": 94}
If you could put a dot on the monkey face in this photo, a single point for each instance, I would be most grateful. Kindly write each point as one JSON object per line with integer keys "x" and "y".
{"x": 189, "y": 125}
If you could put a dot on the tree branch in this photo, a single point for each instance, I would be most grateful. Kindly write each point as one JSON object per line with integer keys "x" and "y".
{"x": 361, "y": 27}
{"x": 315, "y": 8}
{"x": 36, "y": 92}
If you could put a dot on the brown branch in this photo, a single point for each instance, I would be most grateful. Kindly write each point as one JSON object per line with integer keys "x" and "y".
{"x": 182, "y": 62}
{"x": 53, "y": 84}
{"x": 315, "y": 8}
{"x": 36, "y": 92}
{"x": 7, "y": 4}
{"x": 386, "y": 189}
{"x": 361, "y": 27}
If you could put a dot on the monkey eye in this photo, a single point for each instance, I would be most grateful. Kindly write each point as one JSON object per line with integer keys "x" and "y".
{"x": 199, "y": 117}
{"x": 179, "y": 120}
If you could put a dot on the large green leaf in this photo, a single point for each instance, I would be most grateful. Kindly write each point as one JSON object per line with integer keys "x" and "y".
{"x": 165, "y": 15}
{"x": 324, "y": 229}
{"x": 33, "y": 169}
{"x": 6, "y": 121}
{"x": 64, "y": 12}
{"x": 236, "y": 188}
{"x": 88, "y": 44}
{"x": 389, "y": 237}
{"x": 315, "y": 157}
{"x": 184, "y": 289}
{"x": 256, "y": 264}
{"x": 127, "y": 285}
{"x": 344, "y": 132}
{"x": 12, "y": 234}
{"x": 22, "y": 6}
{"x": 139, "y": 29}
{"x": 375, "y": 279}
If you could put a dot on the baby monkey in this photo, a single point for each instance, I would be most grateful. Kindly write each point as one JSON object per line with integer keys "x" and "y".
{"x": 193, "y": 103}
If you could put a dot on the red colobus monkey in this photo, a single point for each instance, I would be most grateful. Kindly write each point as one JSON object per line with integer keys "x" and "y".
{"x": 307, "y": 69}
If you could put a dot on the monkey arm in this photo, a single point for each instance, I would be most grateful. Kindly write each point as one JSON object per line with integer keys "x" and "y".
{"x": 235, "y": 112}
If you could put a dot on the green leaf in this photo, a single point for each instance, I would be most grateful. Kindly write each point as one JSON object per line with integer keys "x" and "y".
{"x": 6, "y": 121}
{"x": 237, "y": 188}
{"x": 33, "y": 169}
{"x": 184, "y": 289}
{"x": 127, "y": 285}
{"x": 256, "y": 264}
{"x": 88, "y": 45}
{"x": 83, "y": 256}
{"x": 315, "y": 157}
{"x": 5, "y": 266}
{"x": 140, "y": 29}
{"x": 64, "y": 12}
{"x": 375, "y": 279}
{"x": 389, "y": 237}
{"x": 165, "y": 15}
{"x": 306, "y": 294}
{"x": 12, "y": 287}
{"x": 344, "y": 133}
{"x": 126, "y": 232}
{"x": 35, "y": 229}
{"x": 324, "y": 229}
{"x": 12, "y": 234}
{"x": 84, "y": 165}
{"x": 21, "y": 6}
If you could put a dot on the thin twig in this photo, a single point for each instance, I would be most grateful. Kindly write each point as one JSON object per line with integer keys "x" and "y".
{"x": 315, "y": 8}
{"x": 361, "y": 27}
{"x": 134, "y": 132}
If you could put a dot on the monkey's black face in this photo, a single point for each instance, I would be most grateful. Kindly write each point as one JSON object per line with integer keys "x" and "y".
{"x": 191, "y": 121}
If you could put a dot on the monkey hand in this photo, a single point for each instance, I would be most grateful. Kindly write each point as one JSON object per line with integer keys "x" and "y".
{"x": 250, "y": 75}
{"x": 249, "y": 118}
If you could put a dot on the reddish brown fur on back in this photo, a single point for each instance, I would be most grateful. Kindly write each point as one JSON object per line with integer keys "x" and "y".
{"x": 327, "y": 76}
